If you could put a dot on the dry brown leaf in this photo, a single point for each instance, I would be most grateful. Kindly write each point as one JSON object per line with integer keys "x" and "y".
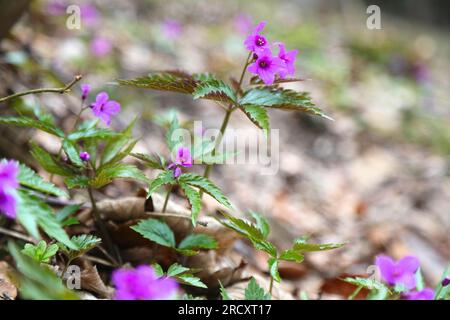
{"x": 8, "y": 290}
{"x": 91, "y": 281}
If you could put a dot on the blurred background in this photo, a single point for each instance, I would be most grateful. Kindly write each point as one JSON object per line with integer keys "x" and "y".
{"x": 377, "y": 177}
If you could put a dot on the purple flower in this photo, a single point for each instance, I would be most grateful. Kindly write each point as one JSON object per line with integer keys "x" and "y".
{"x": 183, "y": 159}
{"x": 172, "y": 28}
{"x": 401, "y": 272}
{"x": 425, "y": 294}
{"x": 255, "y": 41}
{"x": 288, "y": 59}
{"x": 100, "y": 46}
{"x": 89, "y": 14}
{"x": 8, "y": 185}
{"x": 56, "y": 7}
{"x": 85, "y": 89}
{"x": 142, "y": 284}
{"x": 266, "y": 66}
{"x": 85, "y": 156}
{"x": 104, "y": 108}
{"x": 243, "y": 23}
{"x": 445, "y": 282}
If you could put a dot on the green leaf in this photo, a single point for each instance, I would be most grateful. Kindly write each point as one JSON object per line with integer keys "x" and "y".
{"x": 173, "y": 143}
{"x": 191, "y": 280}
{"x": 194, "y": 200}
{"x": 85, "y": 242}
{"x": 443, "y": 292}
{"x": 33, "y": 212}
{"x": 115, "y": 145}
{"x": 301, "y": 246}
{"x": 38, "y": 282}
{"x": 41, "y": 252}
{"x": 176, "y": 269}
{"x": 173, "y": 81}
{"x": 281, "y": 99}
{"x": 72, "y": 153}
{"x": 28, "y": 178}
{"x": 378, "y": 290}
{"x": 261, "y": 223}
{"x": 158, "y": 269}
{"x": 223, "y": 292}
{"x": 292, "y": 255}
{"x": 255, "y": 292}
{"x": 117, "y": 170}
{"x": 196, "y": 241}
{"x": 206, "y": 186}
{"x": 258, "y": 115}
{"x": 67, "y": 211}
{"x": 151, "y": 161}
{"x": 165, "y": 177}
{"x": 32, "y": 123}
{"x": 273, "y": 268}
{"x": 156, "y": 231}
{"x": 92, "y": 133}
{"x": 49, "y": 163}
{"x": 77, "y": 182}
{"x": 214, "y": 89}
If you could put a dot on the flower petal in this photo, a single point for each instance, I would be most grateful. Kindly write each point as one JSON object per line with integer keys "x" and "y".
{"x": 386, "y": 267}
{"x": 101, "y": 98}
{"x": 111, "y": 107}
{"x": 408, "y": 264}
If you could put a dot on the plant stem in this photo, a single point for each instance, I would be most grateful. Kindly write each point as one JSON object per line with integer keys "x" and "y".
{"x": 103, "y": 230}
{"x": 166, "y": 201}
{"x": 62, "y": 90}
{"x": 271, "y": 285}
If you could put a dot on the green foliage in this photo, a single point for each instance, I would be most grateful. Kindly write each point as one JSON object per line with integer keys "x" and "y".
{"x": 223, "y": 292}
{"x": 280, "y": 98}
{"x": 91, "y": 133}
{"x": 215, "y": 89}
{"x": 194, "y": 199}
{"x": 72, "y": 153}
{"x": 255, "y": 292}
{"x": 165, "y": 177}
{"x": 117, "y": 170}
{"x": 32, "y": 180}
{"x": 82, "y": 244}
{"x": 116, "y": 145}
{"x": 38, "y": 281}
{"x": 378, "y": 291}
{"x": 63, "y": 215}
{"x": 49, "y": 163}
{"x": 151, "y": 161}
{"x": 159, "y": 232}
{"x": 181, "y": 274}
{"x": 41, "y": 252}
{"x": 33, "y": 123}
{"x": 443, "y": 292}
{"x": 258, "y": 115}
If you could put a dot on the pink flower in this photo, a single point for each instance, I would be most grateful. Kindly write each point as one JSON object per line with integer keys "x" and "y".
{"x": 288, "y": 59}
{"x": 85, "y": 89}
{"x": 89, "y": 14}
{"x": 256, "y": 41}
{"x": 8, "y": 185}
{"x": 243, "y": 23}
{"x": 100, "y": 46}
{"x": 183, "y": 159}
{"x": 266, "y": 66}
{"x": 142, "y": 284}
{"x": 104, "y": 108}
{"x": 425, "y": 294}
{"x": 172, "y": 28}
{"x": 85, "y": 156}
{"x": 398, "y": 273}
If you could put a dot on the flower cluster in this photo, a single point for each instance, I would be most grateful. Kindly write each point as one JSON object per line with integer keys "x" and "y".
{"x": 265, "y": 64}
{"x": 183, "y": 159}
{"x": 142, "y": 284}
{"x": 403, "y": 273}
{"x": 8, "y": 185}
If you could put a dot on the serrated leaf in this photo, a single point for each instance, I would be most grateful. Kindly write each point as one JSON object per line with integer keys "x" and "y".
{"x": 165, "y": 177}
{"x": 165, "y": 81}
{"x": 281, "y": 99}
{"x": 261, "y": 223}
{"x": 301, "y": 246}
{"x": 206, "y": 186}
{"x": 33, "y": 123}
{"x": 291, "y": 255}
{"x": 41, "y": 252}
{"x": 214, "y": 89}
{"x": 176, "y": 269}
{"x": 367, "y": 283}
{"x": 92, "y": 133}
{"x": 258, "y": 115}
{"x": 85, "y": 242}
{"x": 191, "y": 280}
{"x": 117, "y": 170}
{"x": 28, "y": 178}
{"x": 67, "y": 211}
{"x": 158, "y": 269}
{"x": 156, "y": 231}
{"x": 33, "y": 212}
{"x": 77, "y": 182}
{"x": 151, "y": 161}
{"x": 196, "y": 241}
{"x": 115, "y": 145}
{"x": 195, "y": 201}
{"x": 255, "y": 292}
{"x": 273, "y": 268}
{"x": 50, "y": 164}
{"x": 72, "y": 153}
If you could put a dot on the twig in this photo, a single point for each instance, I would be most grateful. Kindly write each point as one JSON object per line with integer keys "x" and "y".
{"x": 174, "y": 215}
{"x": 42, "y": 90}
{"x": 99, "y": 260}
{"x": 17, "y": 235}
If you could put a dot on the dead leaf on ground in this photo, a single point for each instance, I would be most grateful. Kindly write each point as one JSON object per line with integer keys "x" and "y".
{"x": 8, "y": 290}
